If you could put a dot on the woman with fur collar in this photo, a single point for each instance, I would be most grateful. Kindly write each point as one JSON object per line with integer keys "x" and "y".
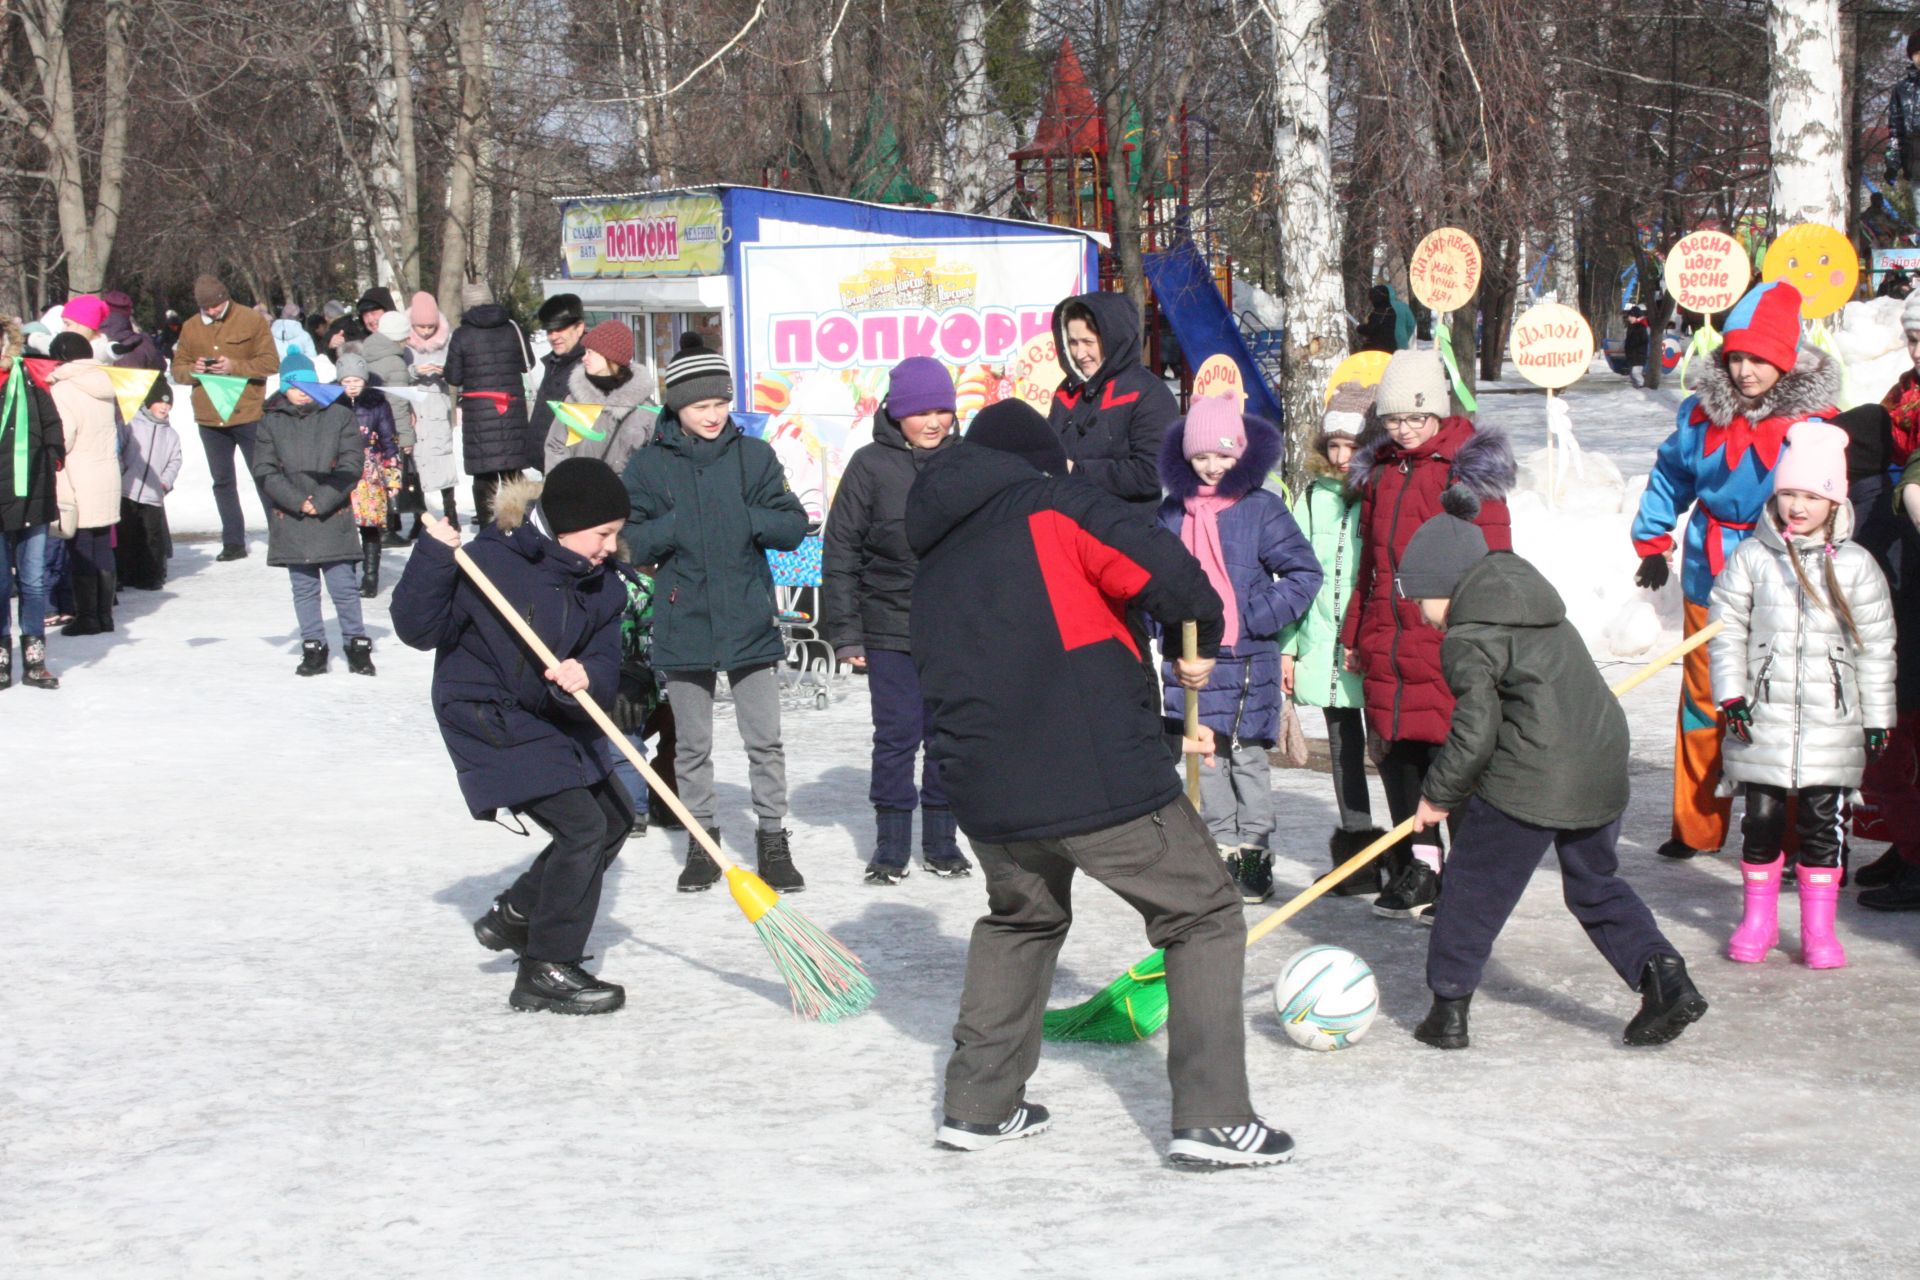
{"x": 1725, "y": 444}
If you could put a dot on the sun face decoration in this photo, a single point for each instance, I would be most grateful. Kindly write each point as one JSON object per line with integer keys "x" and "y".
{"x": 1363, "y": 367}
{"x": 1819, "y": 262}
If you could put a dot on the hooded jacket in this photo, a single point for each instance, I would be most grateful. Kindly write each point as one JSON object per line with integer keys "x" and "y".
{"x": 46, "y": 447}
{"x": 1042, "y": 724}
{"x": 309, "y": 451}
{"x": 90, "y": 422}
{"x": 489, "y": 355}
{"x": 149, "y": 459}
{"x": 867, "y": 566}
{"x": 1813, "y": 691}
{"x": 707, "y": 512}
{"x": 513, "y": 735}
{"x": 1329, "y": 516}
{"x": 1535, "y": 731}
{"x": 1903, "y": 122}
{"x": 624, "y": 425}
{"x": 1274, "y": 575}
{"x": 1721, "y": 456}
{"x": 1111, "y": 424}
{"x": 556, "y": 380}
{"x": 1403, "y": 687}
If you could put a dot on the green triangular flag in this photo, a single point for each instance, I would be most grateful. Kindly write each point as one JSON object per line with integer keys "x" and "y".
{"x": 223, "y": 391}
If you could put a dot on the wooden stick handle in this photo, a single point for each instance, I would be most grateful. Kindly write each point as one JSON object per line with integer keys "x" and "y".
{"x": 1190, "y": 650}
{"x": 540, "y": 650}
{"x": 1326, "y": 883}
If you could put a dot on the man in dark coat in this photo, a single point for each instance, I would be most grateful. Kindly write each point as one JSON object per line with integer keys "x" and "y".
{"x": 30, "y": 434}
{"x": 565, "y": 324}
{"x": 1110, "y": 413}
{"x": 1051, "y": 749}
{"x": 1376, "y": 334}
{"x": 1536, "y": 755}
{"x": 1903, "y": 119}
{"x": 488, "y": 358}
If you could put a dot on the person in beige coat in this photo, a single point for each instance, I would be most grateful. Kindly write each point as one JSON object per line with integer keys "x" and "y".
{"x": 90, "y": 481}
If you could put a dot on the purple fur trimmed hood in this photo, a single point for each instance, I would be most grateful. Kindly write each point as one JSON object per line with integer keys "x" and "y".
{"x": 1248, "y": 473}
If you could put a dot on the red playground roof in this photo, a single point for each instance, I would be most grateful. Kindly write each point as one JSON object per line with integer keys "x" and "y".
{"x": 1070, "y": 121}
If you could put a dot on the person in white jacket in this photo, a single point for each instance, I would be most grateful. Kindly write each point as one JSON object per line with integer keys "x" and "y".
{"x": 1804, "y": 674}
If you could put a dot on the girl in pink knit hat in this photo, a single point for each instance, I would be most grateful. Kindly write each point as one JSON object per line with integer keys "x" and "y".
{"x": 1803, "y": 672}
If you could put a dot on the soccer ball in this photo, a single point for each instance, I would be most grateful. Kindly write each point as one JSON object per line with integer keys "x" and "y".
{"x": 1326, "y": 998}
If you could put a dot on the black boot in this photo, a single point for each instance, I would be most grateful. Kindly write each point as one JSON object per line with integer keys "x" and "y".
{"x": 1445, "y": 1026}
{"x": 500, "y": 929}
{"x": 450, "y": 507}
{"x": 892, "y": 847}
{"x": 1668, "y": 1002}
{"x": 1678, "y": 850}
{"x": 1902, "y": 895}
{"x": 775, "y": 856}
{"x": 86, "y": 606}
{"x": 105, "y": 588}
{"x": 553, "y": 986}
{"x": 1411, "y": 894}
{"x": 360, "y": 656}
{"x": 661, "y": 816}
{"x": 369, "y": 568}
{"x": 940, "y": 844}
{"x": 232, "y": 551}
{"x": 1882, "y": 871}
{"x": 6, "y": 663}
{"x": 1369, "y": 880}
{"x": 701, "y": 872}
{"x": 313, "y": 659}
{"x": 393, "y": 538}
{"x": 33, "y": 655}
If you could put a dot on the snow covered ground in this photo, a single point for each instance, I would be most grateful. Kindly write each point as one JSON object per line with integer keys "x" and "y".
{"x": 248, "y": 1033}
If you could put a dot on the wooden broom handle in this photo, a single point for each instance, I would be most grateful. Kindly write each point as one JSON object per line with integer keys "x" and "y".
{"x": 1190, "y": 698}
{"x": 540, "y": 650}
{"x": 1325, "y": 884}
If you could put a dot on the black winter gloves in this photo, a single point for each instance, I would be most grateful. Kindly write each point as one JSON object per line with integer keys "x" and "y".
{"x": 1739, "y": 718}
{"x": 1653, "y": 573}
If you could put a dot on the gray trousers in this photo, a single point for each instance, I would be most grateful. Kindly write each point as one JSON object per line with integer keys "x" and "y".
{"x": 1347, "y": 744}
{"x": 1236, "y": 795}
{"x": 341, "y": 585}
{"x": 1164, "y": 866}
{"x": 756, "y": 709}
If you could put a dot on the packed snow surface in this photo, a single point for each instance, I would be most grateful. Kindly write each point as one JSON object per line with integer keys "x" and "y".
{"x": 250, "y": 1034}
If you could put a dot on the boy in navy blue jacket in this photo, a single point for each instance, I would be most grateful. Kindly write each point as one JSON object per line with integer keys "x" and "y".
{"x": 519, "y": 738}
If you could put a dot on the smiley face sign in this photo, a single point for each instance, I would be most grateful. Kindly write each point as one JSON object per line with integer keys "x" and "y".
{"x": 1819, "y": 262}
{"x": 1363, "y": 367}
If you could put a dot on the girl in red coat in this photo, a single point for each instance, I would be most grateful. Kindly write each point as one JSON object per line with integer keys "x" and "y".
{"x": 1400, "y": 472}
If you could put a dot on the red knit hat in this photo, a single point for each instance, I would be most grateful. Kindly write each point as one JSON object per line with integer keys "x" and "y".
{"x": 1766, "y": 324}
{"x": 613, "y": 340}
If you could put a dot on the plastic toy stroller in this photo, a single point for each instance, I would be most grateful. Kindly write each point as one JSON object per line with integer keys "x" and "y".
{"x": 797, "y": 579}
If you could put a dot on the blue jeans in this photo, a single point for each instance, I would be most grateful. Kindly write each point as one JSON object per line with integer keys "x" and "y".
{"x": 899, "y": 734}
{"x": 341, "y": 585}
{"x": 59, "y": 575}
{"x": 625, "y": 774}
{"x": 26, "y": 556}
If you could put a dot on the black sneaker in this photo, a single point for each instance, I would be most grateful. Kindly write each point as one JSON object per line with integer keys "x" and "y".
{"x": 1369, "y": 880}
{"x": 499, "y": 931}
{"x": 877, "y": 874}
{"x": 313, "y": 659}
{"x": 1028, "y": 1119}
{"x": 701, "y": 872}
{"x": 639, "y": 827}
{"x": 360, "y": 656}
{"x": 1411, "y": 894}
{"x": 550, "y": 986}
{"x": 947, "y": 866}
{"x": 232, "y": 551}
{"x": 1668, "y": 1002}
{"x": 1252, "y": 871}
{"x": 1445, "y": 1026}
{"x": 1678, "y": 850}
{"x": 1243, "y": 1146}
{"x": 1879, "y": 873}
{"x": 775, "y": 857}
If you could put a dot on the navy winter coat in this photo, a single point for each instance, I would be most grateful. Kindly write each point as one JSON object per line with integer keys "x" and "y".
{"x": 868, "y": 567}
{"x": 1275, "y": 579}
{"x": 489, "y": 354}
{"x": 1111, "y": 424}
{"x": 514, "y": 736}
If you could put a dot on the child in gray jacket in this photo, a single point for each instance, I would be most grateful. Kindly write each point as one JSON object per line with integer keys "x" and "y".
{"x": 149, "y": 464}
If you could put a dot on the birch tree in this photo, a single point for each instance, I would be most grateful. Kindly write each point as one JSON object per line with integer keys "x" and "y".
{"x": 1805, "y": 108}
{"x": 382, "y": 28}
{"x": 463, "y": 174}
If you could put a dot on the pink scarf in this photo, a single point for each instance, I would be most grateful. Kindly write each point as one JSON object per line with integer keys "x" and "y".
{"x": 1201, "y": 533}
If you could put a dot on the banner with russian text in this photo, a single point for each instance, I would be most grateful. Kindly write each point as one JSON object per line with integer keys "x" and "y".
{"x": 821, "y": 326}
{"x": 646, "y": 236}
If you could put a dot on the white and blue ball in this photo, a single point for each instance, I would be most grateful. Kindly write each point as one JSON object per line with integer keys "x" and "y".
{"x": 1326, "y": 998}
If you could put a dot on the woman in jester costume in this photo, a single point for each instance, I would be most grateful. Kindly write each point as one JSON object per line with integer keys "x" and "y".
{"x": 1720, "y": 459}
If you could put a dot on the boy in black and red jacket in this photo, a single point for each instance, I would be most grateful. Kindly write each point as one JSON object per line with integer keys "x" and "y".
{"x": 1050, "y": 746}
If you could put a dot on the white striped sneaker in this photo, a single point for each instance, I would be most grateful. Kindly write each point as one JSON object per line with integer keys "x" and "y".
{"x": 1027, "y": 1119}
{"x": 1242, "y": 1145}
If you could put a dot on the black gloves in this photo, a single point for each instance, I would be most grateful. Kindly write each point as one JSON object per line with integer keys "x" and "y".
{"x": 1653, "y": 573}
{"x": 1876, "y": 744}
{"x": 1739, "y": 718}
{"x": 630, "y": 708}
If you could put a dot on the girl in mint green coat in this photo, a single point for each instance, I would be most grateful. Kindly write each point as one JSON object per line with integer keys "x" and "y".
{"x": 1311, "y": 670}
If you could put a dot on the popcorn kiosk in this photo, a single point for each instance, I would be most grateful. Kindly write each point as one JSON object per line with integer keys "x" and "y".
{"x": 813, "y": 299}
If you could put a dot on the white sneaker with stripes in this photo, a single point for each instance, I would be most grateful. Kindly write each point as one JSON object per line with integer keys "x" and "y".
{"x": 1027, "y": 1119}
{"x": 1244, "y": 1145}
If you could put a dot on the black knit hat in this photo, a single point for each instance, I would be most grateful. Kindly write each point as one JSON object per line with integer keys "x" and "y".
{"x": 69, "y": 346}
{"x": 581, "y": 493}
{"x": 1012, "y": 426}
{"x": 375, "y": 299}
{"x": 561, "y": 311}
{"x": 1441, "y": 551}
{"x": 696, "y": 374}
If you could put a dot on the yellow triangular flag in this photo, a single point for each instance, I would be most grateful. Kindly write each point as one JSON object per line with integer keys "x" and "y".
{"x": 130, "y": 387}
{"x": 579, "y": 419}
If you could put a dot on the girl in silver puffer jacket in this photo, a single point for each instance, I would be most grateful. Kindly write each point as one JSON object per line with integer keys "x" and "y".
{"x": 1804, "y": 672}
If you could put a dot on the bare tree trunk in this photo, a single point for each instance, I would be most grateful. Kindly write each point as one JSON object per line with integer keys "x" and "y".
{"x": 471, "y": 61}
{"x": 400, "y": 48}
{"x": 486, "y": 174}
{"x": 973, "y": 163}
{"x": 1804, "y": 109}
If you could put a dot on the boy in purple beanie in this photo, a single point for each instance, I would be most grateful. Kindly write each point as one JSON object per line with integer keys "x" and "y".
{"x": 869, "y": 571}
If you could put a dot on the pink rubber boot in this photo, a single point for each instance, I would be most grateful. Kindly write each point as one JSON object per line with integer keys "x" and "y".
{"x": 1759, "y": 930}
{"x": 1819, "y": 892}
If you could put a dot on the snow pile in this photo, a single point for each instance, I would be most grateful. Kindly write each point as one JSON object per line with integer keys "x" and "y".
{"x": 1870, "y": 340}
{"x": 1264, "y": 307}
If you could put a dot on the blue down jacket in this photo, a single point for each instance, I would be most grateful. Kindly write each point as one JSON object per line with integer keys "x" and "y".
{"x": 1275, "y": 578}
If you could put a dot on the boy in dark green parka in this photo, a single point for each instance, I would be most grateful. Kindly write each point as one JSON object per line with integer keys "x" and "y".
{"x": 1536, "y": 755}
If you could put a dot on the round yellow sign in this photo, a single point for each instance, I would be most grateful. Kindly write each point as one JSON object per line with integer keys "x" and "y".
{"x": 1445, "y": 270}
{"x": 1218, "y": 376}
{"x": 1552, "y": 346}
{"x": 1819, "y": 262}
{"x": 1707, "y": 272}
